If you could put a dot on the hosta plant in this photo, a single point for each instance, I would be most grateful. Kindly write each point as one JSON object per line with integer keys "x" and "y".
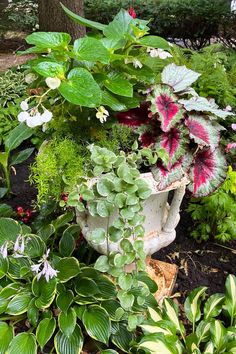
{"x": 207, "y": 325}
{"x": 49, "y": 301}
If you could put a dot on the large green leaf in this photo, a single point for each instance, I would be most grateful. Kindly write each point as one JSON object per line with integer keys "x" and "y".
{"x": 68, "y": 240}
{"x": 44, "y": 291}
{"x": 67, "y": 321}
{"x": 155, "y": 42}
{"x": 86, "y": 286}
{"x": 6, "y": 335}
{"x": 91, "y": 49}
{"x": 213, "y": 306}
{"x": 50, "y": 69}
{"x": 4, "y": 266}
{"x": 23, "y": 343}
{"x": 80, "y": 88}
{"x": 157, "y": 343}
{"x": 9, "y": 230}
{"x": 53, "y": 40}
{"x": 17, "y": 136}
{"x": 97, "y": 323}
{"x": 45, "y": 330}
{"x": 68, "y": 268}
{"x": 6, "y": 294}
{"x": 120, "y": 26}
{"x": 192, "y": 304}
{"x": 65, "y": 299}
{"x": 218, "y": 332}
{"x": 119, "y": 85}
{"x": 121, "y": 337}
{"x": 69, "y": 345}
{"x": 19, "y": 304}
{"x": 83, "y": 21}
{"x": 35, "y": 246}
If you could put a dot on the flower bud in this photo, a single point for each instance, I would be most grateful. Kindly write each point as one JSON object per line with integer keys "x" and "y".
{"x": 53, "y": 82}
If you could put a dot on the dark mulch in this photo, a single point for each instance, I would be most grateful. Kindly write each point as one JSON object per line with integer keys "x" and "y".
{"x": 205, "y": 264}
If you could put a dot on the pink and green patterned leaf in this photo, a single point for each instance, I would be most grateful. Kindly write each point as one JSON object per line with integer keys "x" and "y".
{"x": 135, "y": 117}
{"x": 174, "y": 143}
{"x": 208, "y": 172}
{"x": 202, "y": 131}
{"x": 165, "y": 177}
{"x": 164, "y": 102}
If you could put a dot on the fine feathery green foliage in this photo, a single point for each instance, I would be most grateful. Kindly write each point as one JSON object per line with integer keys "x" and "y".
{"x": 215, "y": 215}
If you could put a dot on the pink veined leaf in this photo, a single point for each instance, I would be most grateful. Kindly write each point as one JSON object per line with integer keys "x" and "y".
{"x": 174, "y": 143}
{"x": 208, "y": 172}
{"x": 135, "y": 116}
{"x": 202, "y": 131}
{"x": 164, "y": 102}
{"x": 165, "y": 177}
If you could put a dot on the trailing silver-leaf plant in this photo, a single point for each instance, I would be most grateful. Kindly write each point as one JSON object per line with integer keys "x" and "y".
{"x": 210, "y": 324}
{"x": 59, "y": 300}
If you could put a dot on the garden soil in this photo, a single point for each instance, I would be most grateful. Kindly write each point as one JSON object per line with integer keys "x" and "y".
{"x": 204, "y": 264}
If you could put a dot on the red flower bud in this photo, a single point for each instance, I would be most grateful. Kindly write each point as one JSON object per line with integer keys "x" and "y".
{"x": 25, "y": 220}
{"x": 64, "y": 197}
{"x": 19, "y": 210}
{"x": 28, "y": 213}
{"x": 132, "y": 12}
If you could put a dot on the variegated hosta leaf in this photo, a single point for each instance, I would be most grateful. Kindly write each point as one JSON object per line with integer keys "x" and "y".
{"x": 178, "y": 77}
{"x": 165, "y": 103}
{"x": 158, "y": 344}
{"x": 165, "y": 327}
{"x": 174, "y": 143}
{"x": 172, "y": 314}
{"x": 218, "y": 333}
{"x": 203, "y": 331}
{"x": 209, "y": 349}
{"x": 201, "y": 104}
{"x": 230, "y": 297}
{"x": 155, "y": 315}
{"x": 213, "y": 306}
{"x": 165, "y": 177}
{"x": 193, "y": 302}
{"x": 202, "y": 131}
{"x": 208, "y": 172}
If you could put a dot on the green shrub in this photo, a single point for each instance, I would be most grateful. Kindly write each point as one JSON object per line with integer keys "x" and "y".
{"x": 21, "y": 14}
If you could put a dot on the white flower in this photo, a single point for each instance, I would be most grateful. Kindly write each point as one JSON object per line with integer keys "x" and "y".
{"x": 19, "y": 247}
{"x": 46, "y": 116}
{"x": 23, "y": 116}
{"x": 3, "y": 250}
{"x": 228, "y": 108}
{"x": 31, "y": 77}
{"x": 24, "y": 106}
{"x": 162, "y": 54}
{"x": 102, "y": 114}
{"x": 34, "y": 121}
{"x": 53, "y": 82}
{"x": 137, "y": 64}
{"x": 46, "y": 269}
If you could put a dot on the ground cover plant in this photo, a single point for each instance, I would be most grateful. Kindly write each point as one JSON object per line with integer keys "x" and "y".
{"x": 105, "y": 116}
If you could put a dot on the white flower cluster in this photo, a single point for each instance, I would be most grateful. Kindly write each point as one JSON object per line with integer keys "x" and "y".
{"x": 32, "y": 117}
{"x": 136, "y": 63}
{"x": 43, "y": 268}
{"x": 158, "y": 53}
{"x": 102, "y": 114}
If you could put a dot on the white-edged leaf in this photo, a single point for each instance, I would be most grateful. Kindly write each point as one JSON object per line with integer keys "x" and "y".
{"x": 23, "y": 343}
{"x": 178, "y": 77}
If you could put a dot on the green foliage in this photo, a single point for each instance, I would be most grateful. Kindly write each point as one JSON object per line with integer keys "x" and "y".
{"x": 12, "y": 90}
{"x": 21, "y": 14}
{"x": 58, "y": 165}
{"x": 215, "y": 215}
{"x": 206, "y": 326}
{"x": 61, "y": 299}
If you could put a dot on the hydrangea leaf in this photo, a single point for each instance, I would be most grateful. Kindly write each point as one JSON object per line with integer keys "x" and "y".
{"x": 174, "y": 143}
{"x": 202, "y": 131}
{"x": 165, "y": 177}
{"x": 201, "y": 104}
{"x": 164, "y": 102}
{"x": 208, "y": 172}
{"x": 178, "y": 77}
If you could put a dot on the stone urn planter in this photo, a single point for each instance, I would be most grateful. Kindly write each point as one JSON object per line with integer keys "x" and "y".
{"x": 161, "y": 218}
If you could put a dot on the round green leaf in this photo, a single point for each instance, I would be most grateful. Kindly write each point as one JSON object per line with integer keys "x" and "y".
{"x": 45, "y": 330}
{"x": 49, "y": 69}
{"x": 23, "y": 343}
{"x": 35, "y": 247}
{"x": 44, "y": 291}
{"x": 97, "y": 323}
{"x": 97, "y": 236}
{"x": 64, "y": 300}
{"x": 53, "y": 40}
{"x": 67, "y": 321}
{"x": 9, "y": 230}
{"x": 80, "y": 88}
{"x": 102, "y": 264}
{"x": 69, "y": 345}
{"x": 68, "y": 268}
{"x": 104, "y": 187}
{"x": 19, "y": 304}
{"x": 86, "y": 286}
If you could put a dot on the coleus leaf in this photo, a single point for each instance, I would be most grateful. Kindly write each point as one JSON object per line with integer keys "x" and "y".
{"x": 208, "y": 172}
{"x": 178, "y": 77}
{"x": 165, "y": 177}
{"x": 164, "y": 102}
{"x": 174, "y": 143}
{"x": 202, "y": 131}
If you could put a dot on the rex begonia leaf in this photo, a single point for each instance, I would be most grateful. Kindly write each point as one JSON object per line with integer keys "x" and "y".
{"x": 165, "y": 177}
{"x": 135, "y": 116}
{"x": 178, "y": 77}
{"x": 174, "y": 143}
{"x": 164, "y": 102}
{"x": 202, "y": 131}
{"x": 201, "y": 104}
{"x": 208, "y": 172}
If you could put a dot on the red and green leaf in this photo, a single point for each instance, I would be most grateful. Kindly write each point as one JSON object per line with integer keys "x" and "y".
{"x": 165, "y": 177}
{"x": 208, "y": 172}
{"x": 165, "y": 103}
{"x": 174, "y": 143}
{"x": 135, "y": 116}
{"x": 202, "y": 131}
